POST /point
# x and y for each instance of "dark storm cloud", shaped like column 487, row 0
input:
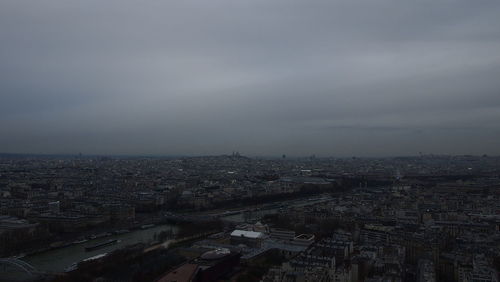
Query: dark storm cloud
column 263, row 77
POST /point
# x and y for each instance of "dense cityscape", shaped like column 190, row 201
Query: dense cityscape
column 250, row 141
column 237, row 218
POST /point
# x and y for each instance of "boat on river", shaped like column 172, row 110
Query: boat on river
column 122, row 231
column 101, row 245
column 74, row 266
column 80, row 241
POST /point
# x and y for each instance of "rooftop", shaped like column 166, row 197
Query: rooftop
column 247, row 234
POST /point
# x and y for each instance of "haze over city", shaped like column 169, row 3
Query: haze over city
column 250, row 140
column 332, row 78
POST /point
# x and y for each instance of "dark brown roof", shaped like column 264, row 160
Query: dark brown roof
column 184, row 273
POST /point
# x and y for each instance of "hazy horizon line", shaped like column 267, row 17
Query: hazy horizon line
column 277, row 156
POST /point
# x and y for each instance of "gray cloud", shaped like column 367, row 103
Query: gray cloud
column 335, row 78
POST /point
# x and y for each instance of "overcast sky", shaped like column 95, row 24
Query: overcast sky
column 263, row 77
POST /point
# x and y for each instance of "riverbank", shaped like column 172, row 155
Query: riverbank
column 58, row 259
column 57, row 241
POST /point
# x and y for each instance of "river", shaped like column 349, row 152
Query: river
column 258, row 214
column 58, row 260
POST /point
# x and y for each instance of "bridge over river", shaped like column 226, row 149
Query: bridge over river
column 13, row 269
